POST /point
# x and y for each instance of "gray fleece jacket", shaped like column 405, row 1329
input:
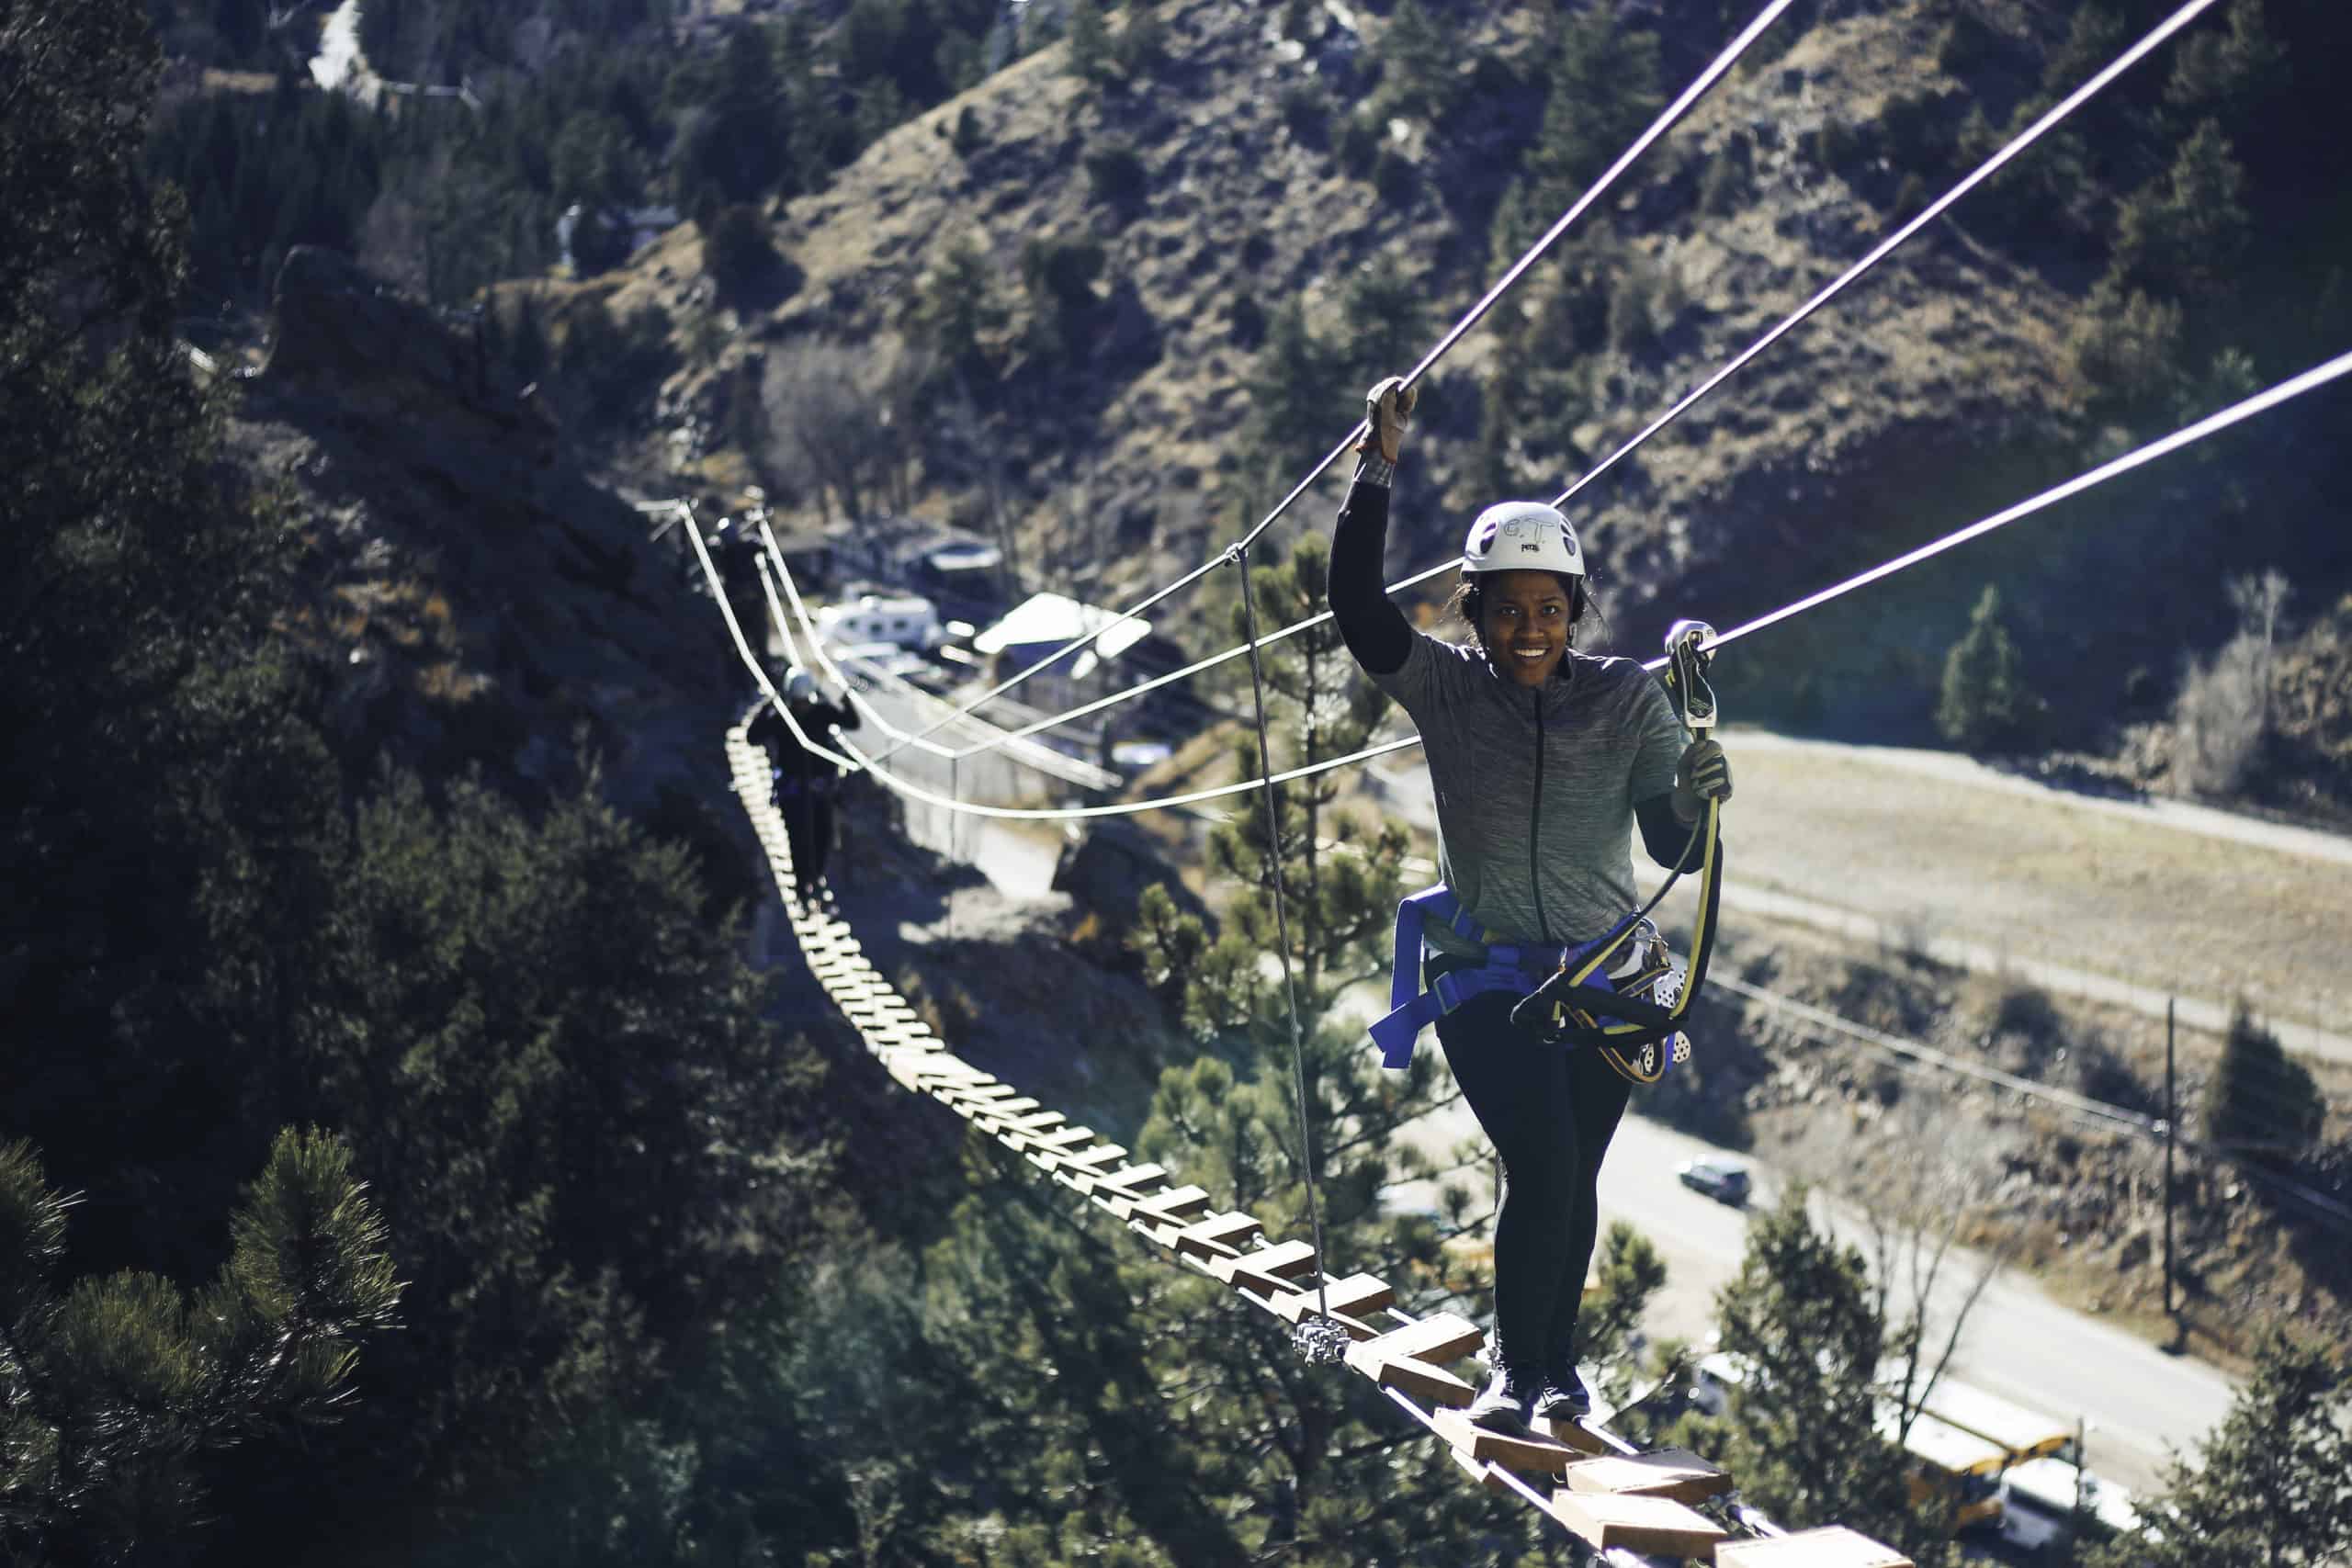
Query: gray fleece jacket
column 1536, row 789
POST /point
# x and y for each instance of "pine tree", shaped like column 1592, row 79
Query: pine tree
column 2273, row 1483
column 2182, row 237
column 1417, row 64
column 1604, row 90
column 2260, row 1100
column 1984, row 702
column 1803, row 1430
column 1090, row 42
column 112, row 1388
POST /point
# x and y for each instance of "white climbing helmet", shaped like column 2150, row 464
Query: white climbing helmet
column 1521, row 536
column 798, row 684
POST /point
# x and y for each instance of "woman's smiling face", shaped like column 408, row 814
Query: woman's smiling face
column 1524, row 623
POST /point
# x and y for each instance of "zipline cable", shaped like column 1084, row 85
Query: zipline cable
column 1983, row 172
column 1657, row 128
column 2294, row 387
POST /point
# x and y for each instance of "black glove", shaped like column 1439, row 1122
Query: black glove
column 1703, row 774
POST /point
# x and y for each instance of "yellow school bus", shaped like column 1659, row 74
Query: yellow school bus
column 1957, row 1469
column 2019, row 1433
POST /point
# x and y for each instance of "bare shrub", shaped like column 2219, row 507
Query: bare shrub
column 845, row 416
column 2222, row 715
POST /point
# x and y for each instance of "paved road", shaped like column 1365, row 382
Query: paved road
column 2019, row 1343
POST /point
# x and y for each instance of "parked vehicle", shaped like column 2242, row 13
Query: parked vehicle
column 904, row 620
column 1723, row 1179
column 2040, row 1498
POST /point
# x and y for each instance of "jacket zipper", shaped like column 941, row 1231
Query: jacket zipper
column 1535, row 826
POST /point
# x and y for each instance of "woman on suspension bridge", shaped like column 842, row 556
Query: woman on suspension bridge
column 1544, row 759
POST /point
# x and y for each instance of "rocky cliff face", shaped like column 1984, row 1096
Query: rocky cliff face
column 478, row 601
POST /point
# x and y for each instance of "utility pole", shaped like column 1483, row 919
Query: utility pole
column 2172, row 1118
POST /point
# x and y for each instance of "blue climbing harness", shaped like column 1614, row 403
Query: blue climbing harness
column 1507, row 966
column 1622, row 993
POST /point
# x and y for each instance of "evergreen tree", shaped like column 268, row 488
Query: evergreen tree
column 2273, row 1483
column 2182, row 237
column 1604, row 89
column 112, row 1391
column 1090, row 42
column 1803, row 1431
column 1417, row 64
column 1292, row 382
column 1984, row 702
column 2260, row 1100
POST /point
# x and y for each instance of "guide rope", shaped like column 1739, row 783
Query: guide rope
column 851, row 756
column 2014, row 146
column 1657, row 128
column 1322, row 1339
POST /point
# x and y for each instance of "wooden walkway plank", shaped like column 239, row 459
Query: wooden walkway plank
column 1440, row 1339
column 1653, row 1525
column 1833, row 1546
column 1357, row 1295
column 1529, row 1456
column 1219, row 1235
column 1430, row 1386
column 1675, row 1473
column 1176, row 1203
column 1271, row 1270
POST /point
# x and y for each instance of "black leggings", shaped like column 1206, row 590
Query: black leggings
column 1550, row 1114
column 809, row 823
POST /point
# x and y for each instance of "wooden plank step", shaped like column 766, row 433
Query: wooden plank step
column 1529, row 1456
column 1177, row 1203
column 1027, row 1119
column 1162, row 1233
column 1655, row 1526
column 1571, row 1431
column 1677, row 1473
column 1268, row 1271
column 1358, row 1294
column 1419, row 1380
column 1441, row 1339
column 1219, row 1235
column 1833, row 1546
column 1059, row 1138
column 1087, row 1165
column 1136, row 1181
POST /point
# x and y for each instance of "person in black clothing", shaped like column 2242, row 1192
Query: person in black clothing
column 805, row 783
column 1544, row 759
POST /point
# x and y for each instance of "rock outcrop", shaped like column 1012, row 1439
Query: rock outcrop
column 478, row 599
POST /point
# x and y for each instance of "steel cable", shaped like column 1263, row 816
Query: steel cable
column 1984, row 171
column 2237, row 412
column 1657, row 128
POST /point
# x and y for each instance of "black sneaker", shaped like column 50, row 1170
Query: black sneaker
column 1503, row 1406
column 1563, row 1396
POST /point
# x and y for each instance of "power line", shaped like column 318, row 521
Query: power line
column 1657, row 128
column 1913, row 1054
column 1984, row 171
